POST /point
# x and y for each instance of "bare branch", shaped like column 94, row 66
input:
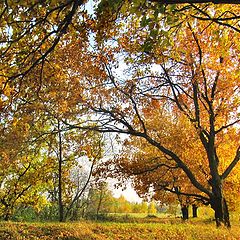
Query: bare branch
column 227, row 126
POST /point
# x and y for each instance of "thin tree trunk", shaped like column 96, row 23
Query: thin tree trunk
column 194, row 210
column 185, row 214
column 100, row 202
column 79, row 194
column 60, row 202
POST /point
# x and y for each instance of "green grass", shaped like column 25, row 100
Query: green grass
column 163, row 229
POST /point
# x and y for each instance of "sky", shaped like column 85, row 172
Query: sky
column 129, row 193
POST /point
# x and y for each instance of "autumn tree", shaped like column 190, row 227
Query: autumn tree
column 152, row 173
column 140, row 207
column 27, row 38
column 25, row 170
column 152, row 208
column 30, row 31
column 73, row 152
column 37, row 115
column 100, row 200
column 192, row 74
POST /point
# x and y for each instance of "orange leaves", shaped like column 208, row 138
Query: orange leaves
column 155, row 103
column 63, row 106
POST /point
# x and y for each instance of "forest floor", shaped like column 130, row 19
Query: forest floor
column 148, row 229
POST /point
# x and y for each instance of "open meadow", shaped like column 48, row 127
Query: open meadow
column 133, row 228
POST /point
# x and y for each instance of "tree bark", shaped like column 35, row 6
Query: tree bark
column 221, row 212
column 185, row 214
column 194, row 210
column 219, row 205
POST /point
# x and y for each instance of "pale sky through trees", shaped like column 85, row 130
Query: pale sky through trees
column 129, row 193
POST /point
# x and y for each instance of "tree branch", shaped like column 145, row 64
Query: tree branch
column 196, row 196
column 232, row 164
column 154, row 168
column 196, row 1
column 227, row 126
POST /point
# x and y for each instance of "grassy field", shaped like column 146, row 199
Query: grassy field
column 145, row 229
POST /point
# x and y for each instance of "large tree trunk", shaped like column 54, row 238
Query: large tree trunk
column 218, row 202
column 185, row 214
column 219, row 205
column 220, row 208
column 194, row 210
